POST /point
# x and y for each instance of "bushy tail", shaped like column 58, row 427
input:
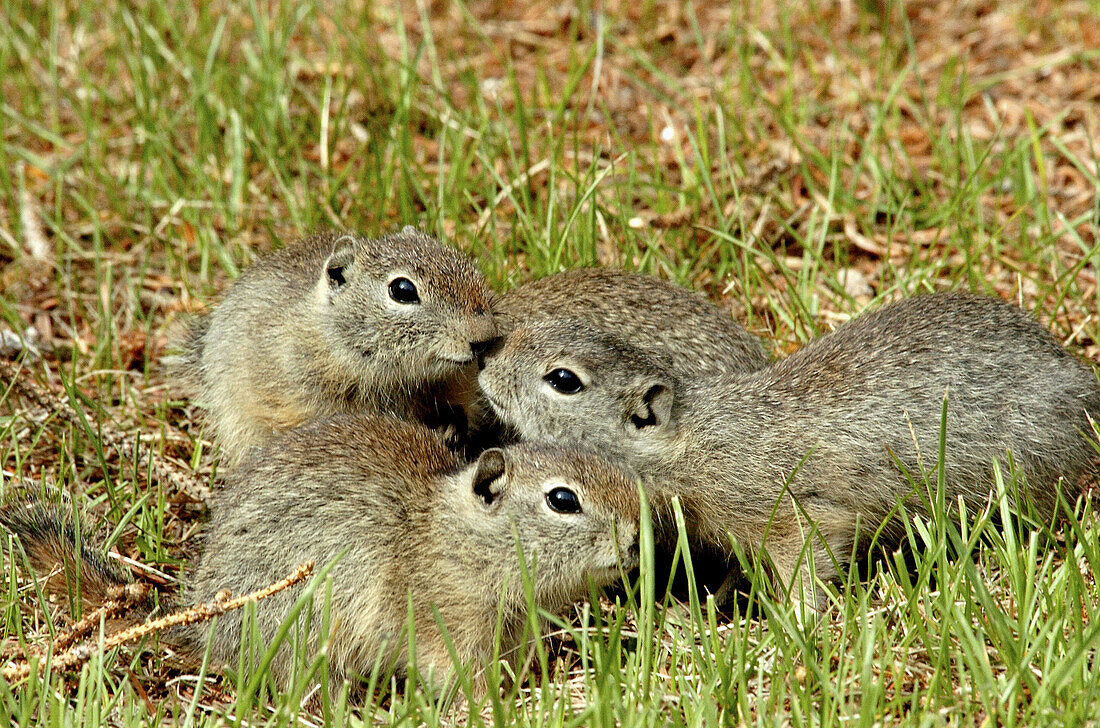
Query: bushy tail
column 56, row 548
column 187, row 339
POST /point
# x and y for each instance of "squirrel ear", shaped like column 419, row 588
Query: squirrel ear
column 651, row 405
column 488, row 482
column 336, row 267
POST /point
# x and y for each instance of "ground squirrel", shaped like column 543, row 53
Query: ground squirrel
column 834, row 421
column 694, row 335
column 411, row 522
column 340, row 323
column 685, row 331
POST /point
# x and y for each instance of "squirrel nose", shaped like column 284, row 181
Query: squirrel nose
column 483, row 348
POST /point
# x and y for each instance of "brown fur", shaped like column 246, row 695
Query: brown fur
column 71, row 563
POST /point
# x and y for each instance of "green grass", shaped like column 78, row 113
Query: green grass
column 755, row 153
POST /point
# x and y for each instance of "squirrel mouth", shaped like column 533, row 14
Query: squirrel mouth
column 451, row 360
column 457, row 363
column 497, row 406
column 607, row 574
column 627, row 558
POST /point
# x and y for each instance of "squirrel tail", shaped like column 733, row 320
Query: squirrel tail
column 55, row 546
column 187, row 340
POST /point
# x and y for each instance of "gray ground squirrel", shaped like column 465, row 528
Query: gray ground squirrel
column 684, row 330
column 340, row 323
column 694, row 335
column 825, row 428
column 415, row 524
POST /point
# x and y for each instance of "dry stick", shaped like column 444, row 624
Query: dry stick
column 121, row 599
column 163, row 470
column 75, row 656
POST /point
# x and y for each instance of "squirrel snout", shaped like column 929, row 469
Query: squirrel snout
column 484, row 348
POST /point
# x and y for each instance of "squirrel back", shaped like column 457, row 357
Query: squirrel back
column 841, row 432
column 693, row 335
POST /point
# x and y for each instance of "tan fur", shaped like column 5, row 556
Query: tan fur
column 292, row 340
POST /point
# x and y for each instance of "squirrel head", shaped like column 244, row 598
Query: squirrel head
column 405, row 298
column 564, row 381
column 573, row 515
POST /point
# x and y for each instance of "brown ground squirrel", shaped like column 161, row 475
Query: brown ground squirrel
column 412, row 523
column 694, row 335
column 340, row 323
column 840, row 431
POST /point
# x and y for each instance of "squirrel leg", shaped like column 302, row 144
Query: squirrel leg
column 809, row 553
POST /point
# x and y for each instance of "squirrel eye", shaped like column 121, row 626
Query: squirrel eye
column 563, row 500
column 564, row 381
column 336, row 275
column 403, row 290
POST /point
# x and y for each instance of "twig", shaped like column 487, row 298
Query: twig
column 74, row 656
column 121, row 599
column 522, row 179
column 163, row 470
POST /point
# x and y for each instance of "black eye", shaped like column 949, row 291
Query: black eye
column 336, row 275
column 564, row 381
column 403, row 290
column 563, row 500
